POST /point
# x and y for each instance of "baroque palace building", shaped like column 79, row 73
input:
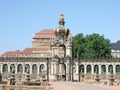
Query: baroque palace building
column 50, row 57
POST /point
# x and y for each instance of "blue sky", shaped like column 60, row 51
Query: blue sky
column 21, row 19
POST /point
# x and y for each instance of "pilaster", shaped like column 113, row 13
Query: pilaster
column 100, row 69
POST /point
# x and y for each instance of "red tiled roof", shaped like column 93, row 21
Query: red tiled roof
column 46, row 33
column 26, row 51
column 30, row 50
column 11, row 53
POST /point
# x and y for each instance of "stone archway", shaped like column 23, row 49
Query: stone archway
column 89, row 69
column 12, row 67
column 20, row 68
column 117, row 69
column 81, row 68
column 62, row 71
column 27, row 68
column 34, row 69
column 110, row 68
column 5, row 68
column 96, row 69
column 103, row 69
column 61, row 48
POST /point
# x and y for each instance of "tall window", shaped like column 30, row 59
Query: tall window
column 117, row 68
column 5, row 68
column 96, row 69
column 12, row 67
column 27, row 68
column 34, row 69
column 103, row 68
column 81, row 68
column 20, row 68
column 110, row 68
column 88, row 69
column 42, row 70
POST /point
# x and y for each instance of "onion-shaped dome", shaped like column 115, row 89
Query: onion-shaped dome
column 61, row 30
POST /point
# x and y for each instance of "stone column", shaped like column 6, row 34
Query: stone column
column 107, row 69
column 85, row 69
column 56, row 51
column 114, row 69
column 30, row 68
column 57, row 69
column 8, row 67
column 68, row 51
column 67, row 68
column 38, row 69
column 100, row 69
column 1, row 68
column 92, row 69
column 16, row 66
column 77, row 68
column 60, row 68
column 67, row 71
column 52, row 68
column 52, row 52
column 23, row 68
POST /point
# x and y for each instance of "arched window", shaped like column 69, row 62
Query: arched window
column 5, row 68
column 27, row 68
column 103, row 69
column 12, row 67
column 110, row 68
column 81, row 69
column 96, row 69
column 42, row 70
column 34, row 69
column 88, row 69
column 117, row 68
column 20, row 68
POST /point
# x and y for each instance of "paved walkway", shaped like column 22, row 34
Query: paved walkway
column 81, row 86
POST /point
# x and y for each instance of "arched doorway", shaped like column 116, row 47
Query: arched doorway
column 96, row 69
column 27, row 68
column 110, row 68
column 20, row 68
column 117, row 68
column 81, row 69
column 12, row 67
column 34, row 69
column 103, row 69
column 88, row 69
column 42, row 70
column 63, row 71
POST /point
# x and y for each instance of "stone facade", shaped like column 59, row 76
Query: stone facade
column 51, row 57
column 59, row 70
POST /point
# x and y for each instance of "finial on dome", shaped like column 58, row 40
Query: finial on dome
column 61, row 22
column 61, row 17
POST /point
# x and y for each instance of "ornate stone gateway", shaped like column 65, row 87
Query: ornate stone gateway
column 64, row 42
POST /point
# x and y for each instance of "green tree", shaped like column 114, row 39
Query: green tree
column 78, row 42
column 91, row 46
